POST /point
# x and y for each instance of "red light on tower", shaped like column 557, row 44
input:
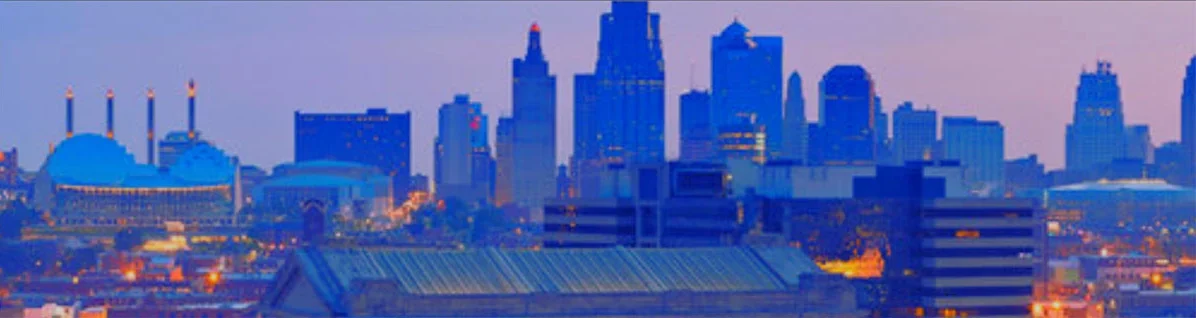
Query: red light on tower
column 475, row 124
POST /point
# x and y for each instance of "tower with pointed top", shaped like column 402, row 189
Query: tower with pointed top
column 191, row 110
column 533, row 92
column 70, row 112
column 795, row 135
column 746, row 76
column 111, row 132
column 149, row 123
column 1096, row 135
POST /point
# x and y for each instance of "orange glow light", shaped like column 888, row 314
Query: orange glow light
column 191, row 88
column 70, row 93
column 110, row 94
column 149, row 93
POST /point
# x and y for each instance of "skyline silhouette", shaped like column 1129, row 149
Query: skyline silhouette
column 257, row 63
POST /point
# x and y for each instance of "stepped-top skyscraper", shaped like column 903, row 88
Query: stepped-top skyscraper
column 1096, row 135
column 534, row 103
column 796, row 136
column 1188, row 110
column 624, row 98
column 847, row 117
column 747, row 82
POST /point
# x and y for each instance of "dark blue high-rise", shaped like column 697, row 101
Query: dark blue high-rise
column 847, row 117
column 534, row 131
column 697, row 131
column 374, row 138
column 747, row 82
column 627, row 91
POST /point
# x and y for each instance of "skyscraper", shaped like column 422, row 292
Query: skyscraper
column 624, row 99
column 697, row 129
column 980, row 148
column 504, row 161
column 1097, row 133
column 630, row 84
column 1188, row 110
column 482, row 165
column 847, row 117
column 1138, row 145
column 914, row 133
column 795, row 131
column 534, row 131
column 454, row 148
column 747, row 82
column 375, row 138
column 586, row 162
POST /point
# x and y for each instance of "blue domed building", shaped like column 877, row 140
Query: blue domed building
column 92, row 181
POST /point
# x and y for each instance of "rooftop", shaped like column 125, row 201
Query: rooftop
column 1123, row 185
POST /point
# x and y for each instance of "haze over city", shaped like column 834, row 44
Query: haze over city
column 257, row 63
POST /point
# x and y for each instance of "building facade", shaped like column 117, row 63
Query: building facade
column 795, row 134
column 747, row 82
column 455, row 149
column 1097, row 132
column 534, row 148
column 980, row 148
column 376, row 138
column 847, row 117
column 624, row 101
column 975, row 258
column 504, row 161
column 1138, row 145
column 915, row 132
column 697, row 127
column 1188, row 111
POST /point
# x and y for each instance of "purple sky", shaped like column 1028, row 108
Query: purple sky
column 256, row 63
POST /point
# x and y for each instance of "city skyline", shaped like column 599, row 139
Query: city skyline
column 237, row 78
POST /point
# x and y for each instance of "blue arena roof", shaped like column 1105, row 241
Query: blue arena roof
column 91, row 159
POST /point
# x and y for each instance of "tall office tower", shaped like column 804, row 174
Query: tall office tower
column 1188, row 110
column 980, row 148
column 624, row 98
column 374, row 138
column 1097, row 133
column 697, row 129
column 747, row 82
column 975, row 257
column 504, row 158
column 795, row 134
column 1173, row 163
column 847, row 117
column 534, row 131
column 1138, row 144
column 586, row 162
column 111, row 132
column 481, row 160
column 149, row 123
column 914, row 133
column 454, row 148
column 630, row 84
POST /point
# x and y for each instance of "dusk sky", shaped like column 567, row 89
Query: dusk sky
column 257, row 63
